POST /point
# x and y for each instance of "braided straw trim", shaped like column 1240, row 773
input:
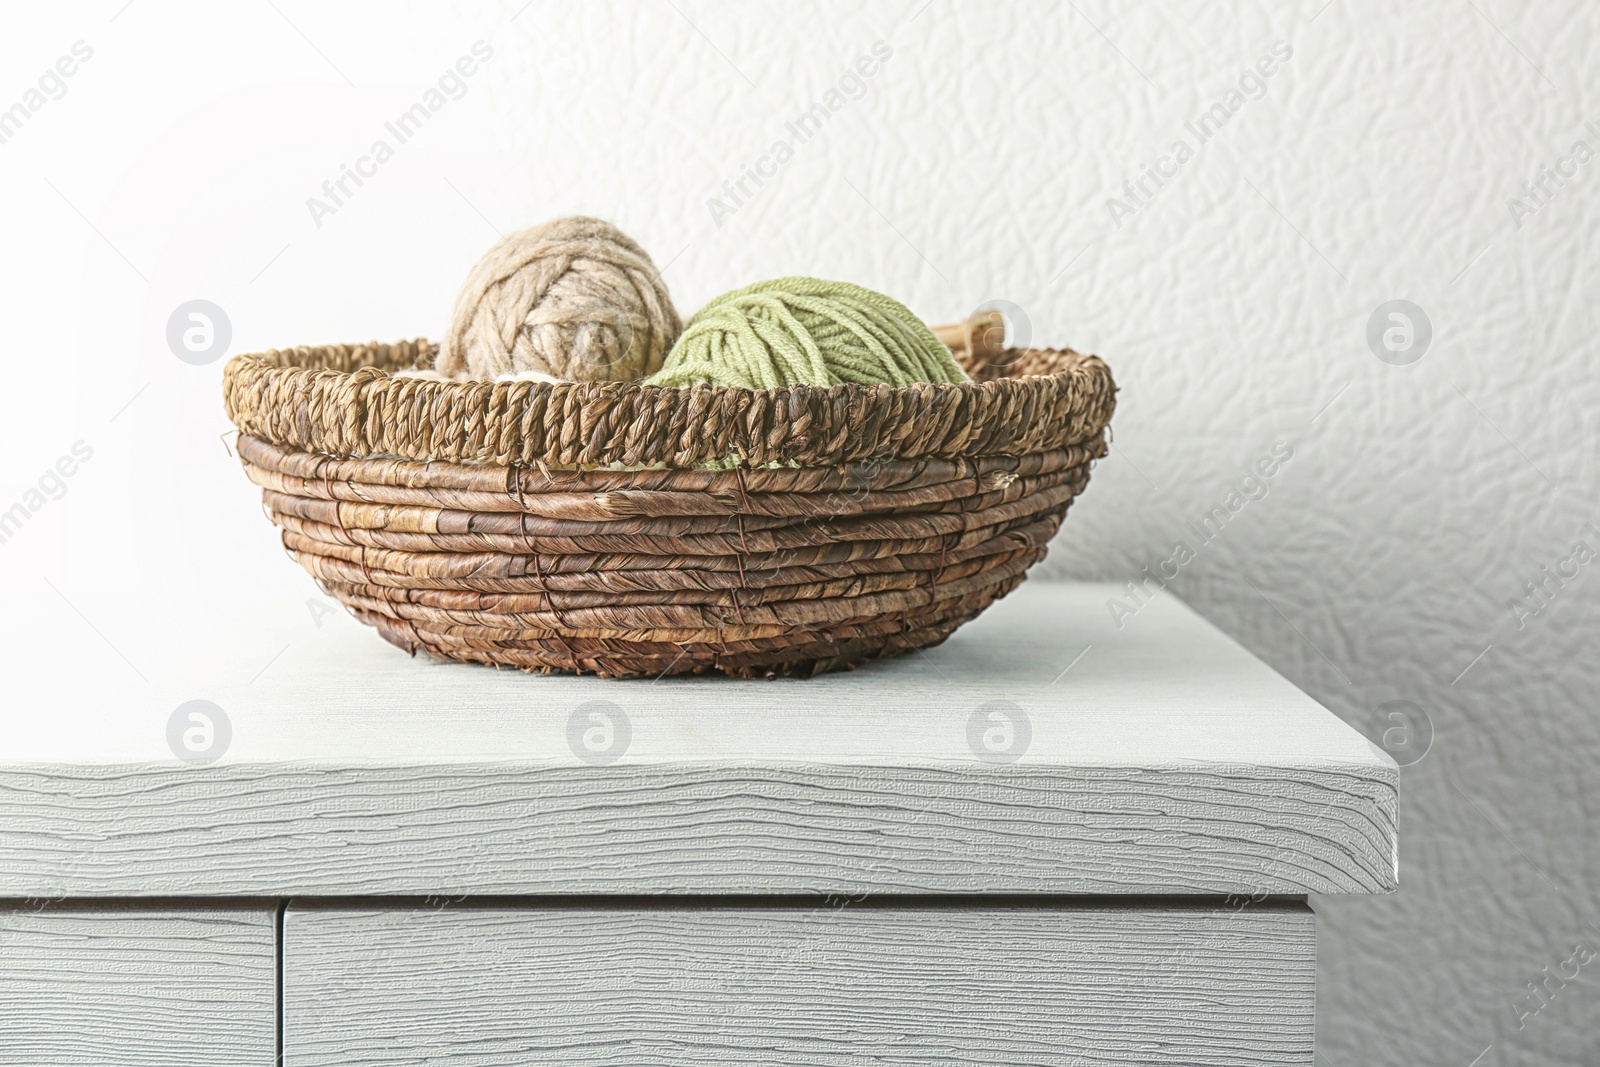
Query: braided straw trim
column 342, row 401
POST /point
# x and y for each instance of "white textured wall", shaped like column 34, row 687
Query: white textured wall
column 1376, row 164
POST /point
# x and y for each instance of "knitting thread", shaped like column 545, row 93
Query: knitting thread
column 805, row 331
column 576, row 299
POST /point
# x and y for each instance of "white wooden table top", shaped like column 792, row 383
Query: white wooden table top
column 1158, row 757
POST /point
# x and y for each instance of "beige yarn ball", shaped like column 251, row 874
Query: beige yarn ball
column 575, row 298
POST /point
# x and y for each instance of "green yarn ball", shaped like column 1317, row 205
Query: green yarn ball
column 805, row 331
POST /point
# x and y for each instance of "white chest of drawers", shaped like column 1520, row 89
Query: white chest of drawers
column 1053, row 840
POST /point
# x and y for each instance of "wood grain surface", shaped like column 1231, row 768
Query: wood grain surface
column 1152, row 757
column 160, row 986
column 826, row 986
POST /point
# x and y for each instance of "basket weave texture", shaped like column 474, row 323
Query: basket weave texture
column 489, row 522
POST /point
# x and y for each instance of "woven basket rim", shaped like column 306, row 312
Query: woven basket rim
column 342, row 400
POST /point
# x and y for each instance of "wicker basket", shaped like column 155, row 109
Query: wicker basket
column 577, row 527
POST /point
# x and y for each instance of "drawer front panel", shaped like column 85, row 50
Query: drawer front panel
column 138, row 985
column 855, row 984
